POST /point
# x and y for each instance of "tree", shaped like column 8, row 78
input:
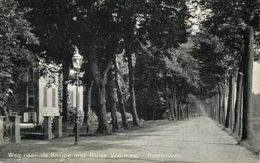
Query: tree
column 16, row 40
column 127, row 12
column 239, row 23
column 161, row 79
column 96, row 24
column 228, row 121
column 238, row 107
column 121, row 102
column 161, row 29
column 87, row 25
column 87, row 103
column 52, row 21
column 112, row 98
column 247, row 92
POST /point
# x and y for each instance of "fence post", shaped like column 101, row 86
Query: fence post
column 15, row 136
column 58, row 126
column 48, row 127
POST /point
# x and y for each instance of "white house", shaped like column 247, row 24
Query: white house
column 39, row 96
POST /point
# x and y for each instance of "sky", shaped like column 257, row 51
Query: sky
column 198, row 16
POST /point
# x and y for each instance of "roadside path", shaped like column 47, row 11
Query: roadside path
column 195, row 140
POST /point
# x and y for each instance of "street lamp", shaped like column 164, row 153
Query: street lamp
column 77, row 61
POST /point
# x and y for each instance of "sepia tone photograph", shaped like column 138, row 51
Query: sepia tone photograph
column 130, row 81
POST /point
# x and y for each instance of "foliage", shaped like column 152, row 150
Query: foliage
column 149, row 31
column 15, row 39
column 161, row 62
column 119, row 117
column 52, row 25
column 156, row 74
column 220, row 41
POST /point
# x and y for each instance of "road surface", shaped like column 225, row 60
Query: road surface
column 194, row 140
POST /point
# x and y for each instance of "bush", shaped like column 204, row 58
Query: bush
column 119, row 118
column 72, row 116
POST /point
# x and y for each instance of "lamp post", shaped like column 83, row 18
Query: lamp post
column 77, row 61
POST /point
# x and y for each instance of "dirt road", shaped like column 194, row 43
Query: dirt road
column 195, row 140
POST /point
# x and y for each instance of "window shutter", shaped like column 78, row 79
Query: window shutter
column 34, row 116
column 25, row 117
column 45, row 100
column 53, row 97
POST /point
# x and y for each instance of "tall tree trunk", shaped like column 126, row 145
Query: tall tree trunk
column 65, row 78
column 100, row 83
column 175, row 104
column 230, row 104
column 240, row 113
column 103, row 126
column 232, row 111
column 247, row 92
column 179, row 111
column 216, row 108
column 175, row 109
column 187, row 111
column 121, row 103
column 220, row 93
column 132, row 89
column 179, row 107
column 112, row 98
column 224, row 103
column 87, row 104
column 172, row 103
column 170, row 100
column 184, row 114
column 213, row 108
column 236, row 125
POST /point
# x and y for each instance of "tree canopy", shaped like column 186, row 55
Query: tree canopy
column 16, row 38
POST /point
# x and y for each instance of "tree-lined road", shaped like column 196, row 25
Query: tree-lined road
column 194, row 140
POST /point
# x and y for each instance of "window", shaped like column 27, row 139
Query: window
column 30, row 102
column 25, row 117
column 45, row 98
column 29, row 74
column 31, row 116
column 53, row 97
column 13, row 114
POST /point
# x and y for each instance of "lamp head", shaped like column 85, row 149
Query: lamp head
column 77, row 59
